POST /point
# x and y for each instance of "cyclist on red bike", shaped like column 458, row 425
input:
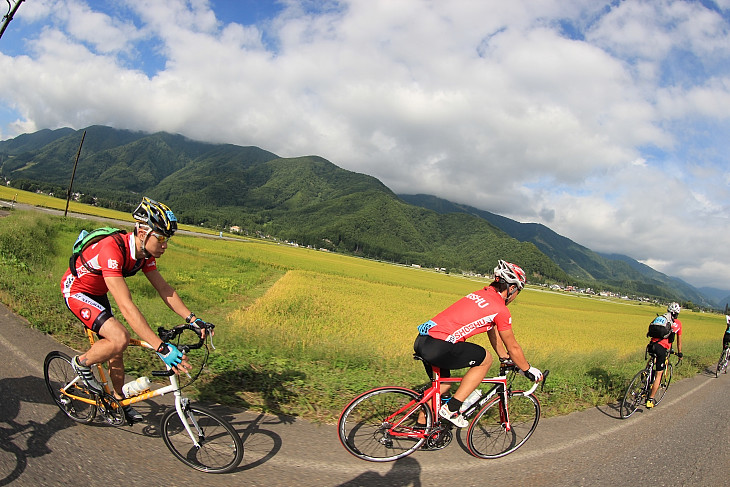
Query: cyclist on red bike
column 659, row 347
column 102, row 268
column 442, row 340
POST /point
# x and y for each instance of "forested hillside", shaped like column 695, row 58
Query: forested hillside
column 310, row 201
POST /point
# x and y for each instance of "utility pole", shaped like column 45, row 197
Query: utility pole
column 12, row 8
column 73, row 174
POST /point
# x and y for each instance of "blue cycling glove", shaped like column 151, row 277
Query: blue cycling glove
column 170, row 354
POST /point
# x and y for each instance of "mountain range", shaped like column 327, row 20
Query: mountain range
column 312, row 201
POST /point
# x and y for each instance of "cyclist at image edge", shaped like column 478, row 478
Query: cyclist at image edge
column 442, row 340
column 660, row 348
column 726, row 335
column 86, row 296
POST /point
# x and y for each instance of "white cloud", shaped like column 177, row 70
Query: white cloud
column 606, row 122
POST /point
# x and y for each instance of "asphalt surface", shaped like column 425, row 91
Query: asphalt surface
column 683, row 441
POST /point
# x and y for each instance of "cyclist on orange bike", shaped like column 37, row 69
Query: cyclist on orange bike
column 442, row 340
column 102, row 268
column 659, row 347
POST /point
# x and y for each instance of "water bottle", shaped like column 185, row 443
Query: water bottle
column 136, row 386
column 471, row 399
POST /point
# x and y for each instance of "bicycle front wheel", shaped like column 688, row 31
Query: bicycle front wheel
column 490, row 436
column 664, row 384
column 59, row 373
column 219, row 447
column 366, row 424
column 635, row 394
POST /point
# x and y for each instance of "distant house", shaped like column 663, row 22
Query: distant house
column 235, row 229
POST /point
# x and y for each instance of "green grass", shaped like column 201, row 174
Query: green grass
column 300, row 331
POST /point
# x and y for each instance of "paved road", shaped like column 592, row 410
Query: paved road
column 682, row 442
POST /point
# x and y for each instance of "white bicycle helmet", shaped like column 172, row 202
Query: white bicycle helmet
column 510, row 273
column 674, row 308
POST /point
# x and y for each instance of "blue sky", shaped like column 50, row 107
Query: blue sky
column 606, row 121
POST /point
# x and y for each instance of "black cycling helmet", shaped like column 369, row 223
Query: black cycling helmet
column 157, row 216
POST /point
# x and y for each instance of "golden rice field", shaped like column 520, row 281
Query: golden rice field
column 293, row 309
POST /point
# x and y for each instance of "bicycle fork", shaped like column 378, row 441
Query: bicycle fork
column 503, row 412
column 187, row 417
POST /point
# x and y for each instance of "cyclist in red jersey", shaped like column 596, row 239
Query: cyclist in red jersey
column 442, row 340
column 103, row 269
column 660, row 347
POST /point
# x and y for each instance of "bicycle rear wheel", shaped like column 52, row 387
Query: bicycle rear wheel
column 664, row 384
column 58, row 374
column 365, row 424
column 635, row 394
column 722, row 363
column 220, row 447
column 488, row 437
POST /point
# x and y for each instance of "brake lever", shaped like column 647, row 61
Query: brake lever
column 544, row 378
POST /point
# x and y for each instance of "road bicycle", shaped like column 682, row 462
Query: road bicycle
column 722, row 363
column 381, row 425
column 640, row 386
column 196, row 436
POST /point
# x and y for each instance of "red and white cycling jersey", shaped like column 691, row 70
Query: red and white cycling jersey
column 664, row 342
column 106, row 256
column 475, row 313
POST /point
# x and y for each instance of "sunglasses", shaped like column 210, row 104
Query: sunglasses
column 160, row 238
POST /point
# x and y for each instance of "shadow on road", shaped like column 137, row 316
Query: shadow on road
column 20, row 441
column 405, row 472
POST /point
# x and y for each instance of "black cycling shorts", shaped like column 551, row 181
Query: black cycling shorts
column 661, row 354
column 93, row 311
column 447, row 355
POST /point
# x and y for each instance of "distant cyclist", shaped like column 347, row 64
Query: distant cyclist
column 103, row 269
column 659, row 347
column 442, row 340
column 726, row 335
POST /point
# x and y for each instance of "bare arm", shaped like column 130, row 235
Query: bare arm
column 514, row 349
column 168, row 294
column 497, row 344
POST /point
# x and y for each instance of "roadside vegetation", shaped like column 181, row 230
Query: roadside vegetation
column 300, row 332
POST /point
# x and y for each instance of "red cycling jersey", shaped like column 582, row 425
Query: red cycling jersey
column 676, row 329
column 475, row 313
column 104, row 255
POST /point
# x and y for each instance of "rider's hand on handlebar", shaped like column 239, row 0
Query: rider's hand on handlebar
column 680, row 354
column 174, row 358
column 169, row 354
column 533, row 373
column 201, row 327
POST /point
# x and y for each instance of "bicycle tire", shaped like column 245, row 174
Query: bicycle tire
column 487, row 436
column 363, row 425
column 635, row 394
column 58, row 372
column 722, row 363
column 664, row 384
column 221, row 448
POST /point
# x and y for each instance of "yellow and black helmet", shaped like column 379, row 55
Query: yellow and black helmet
column 157, row 216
